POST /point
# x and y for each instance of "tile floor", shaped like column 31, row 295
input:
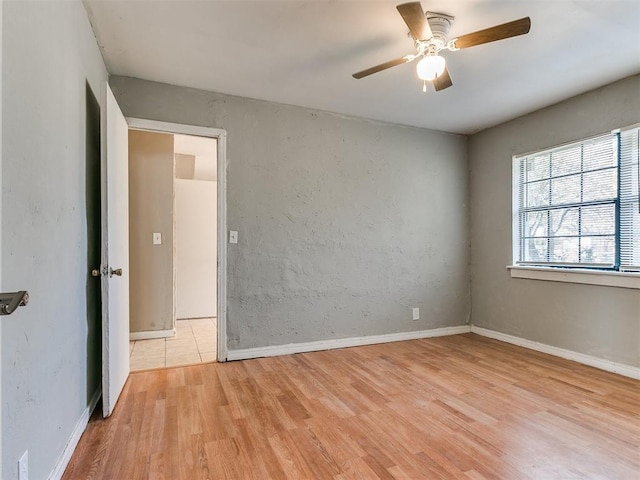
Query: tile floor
column 195, row 342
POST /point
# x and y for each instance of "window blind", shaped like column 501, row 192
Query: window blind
column 629, row 143
column 568, row 205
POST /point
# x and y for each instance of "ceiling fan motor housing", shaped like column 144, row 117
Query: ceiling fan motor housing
column 440, row 24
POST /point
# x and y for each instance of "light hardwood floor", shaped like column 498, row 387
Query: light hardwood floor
column 451, row 407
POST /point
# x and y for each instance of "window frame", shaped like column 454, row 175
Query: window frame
column 573, row 273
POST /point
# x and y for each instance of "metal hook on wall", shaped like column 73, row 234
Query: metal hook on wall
column 9, row 302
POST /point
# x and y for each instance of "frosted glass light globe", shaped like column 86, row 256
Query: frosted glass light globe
column 429, row 68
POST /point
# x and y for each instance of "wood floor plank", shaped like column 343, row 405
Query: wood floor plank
column 357, row 469
column 461, row 406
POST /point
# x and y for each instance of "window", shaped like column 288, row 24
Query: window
column 578, row 205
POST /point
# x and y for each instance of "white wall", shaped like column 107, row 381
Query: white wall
column 196, row 231
column 594, row 320
column 49, row 53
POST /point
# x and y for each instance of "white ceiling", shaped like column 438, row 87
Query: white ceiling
column 303, row 52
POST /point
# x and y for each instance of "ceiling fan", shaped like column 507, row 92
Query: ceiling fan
column 430, row 31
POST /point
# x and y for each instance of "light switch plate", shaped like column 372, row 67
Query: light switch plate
column 233, row 236
column 157, row 238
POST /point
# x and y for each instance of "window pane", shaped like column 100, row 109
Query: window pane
column 598, row 250
column 564, row 222
column 598, row 220
column 537, row 167
column 601, row 185
column 599, row 154
column 564, row 250
column 565, row 190
column 536, row 224
column 538, row 194
column 535, row 250
column 566, row 161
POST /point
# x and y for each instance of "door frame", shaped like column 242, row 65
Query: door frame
column 221, row 136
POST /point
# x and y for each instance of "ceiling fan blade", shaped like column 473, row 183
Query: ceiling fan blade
column 443, row 81
column 382, row 66
column 414, row 17
column 499, row 32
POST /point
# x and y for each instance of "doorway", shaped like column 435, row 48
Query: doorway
column 93, row 182
column 175, row 243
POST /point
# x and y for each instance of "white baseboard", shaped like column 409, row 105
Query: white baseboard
column 602, row 364
column 72, row 443
column 149, row 334
column 275, row 350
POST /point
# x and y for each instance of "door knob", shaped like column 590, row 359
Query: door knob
column 95, row 272
column 117, row 271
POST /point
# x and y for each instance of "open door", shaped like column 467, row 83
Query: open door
column 115, row 253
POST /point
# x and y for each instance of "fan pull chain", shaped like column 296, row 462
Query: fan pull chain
column 424, row 86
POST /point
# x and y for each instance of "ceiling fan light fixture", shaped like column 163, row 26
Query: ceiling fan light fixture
column 430, row 33
column 430, row 67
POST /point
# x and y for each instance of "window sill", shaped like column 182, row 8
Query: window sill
column 589, row 277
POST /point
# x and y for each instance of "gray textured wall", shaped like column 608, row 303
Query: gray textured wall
column 49, row 52
column 344, row 224
column 594, row 320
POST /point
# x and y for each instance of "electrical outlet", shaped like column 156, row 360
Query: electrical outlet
column 23, row 466
column 416, row 313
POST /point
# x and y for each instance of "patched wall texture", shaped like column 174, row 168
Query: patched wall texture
column 344, row 224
